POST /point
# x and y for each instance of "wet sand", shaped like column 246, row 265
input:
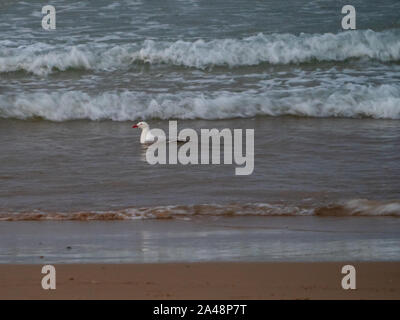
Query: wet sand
column 213, row 239
column 374, row 280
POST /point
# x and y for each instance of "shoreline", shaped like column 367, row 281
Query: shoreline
column 241, row 239
column 211, row 280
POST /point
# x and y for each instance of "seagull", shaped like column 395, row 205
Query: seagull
column 147, row 137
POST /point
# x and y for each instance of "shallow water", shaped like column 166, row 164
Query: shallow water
column 299, row 164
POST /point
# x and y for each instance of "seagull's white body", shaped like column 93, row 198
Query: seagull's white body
column 146, row 136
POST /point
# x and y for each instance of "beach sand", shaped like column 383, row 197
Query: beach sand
column 280, row 280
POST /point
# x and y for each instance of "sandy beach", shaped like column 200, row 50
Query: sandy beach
column 375, row 280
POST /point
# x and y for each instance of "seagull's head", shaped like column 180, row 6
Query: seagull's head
column 141, row 125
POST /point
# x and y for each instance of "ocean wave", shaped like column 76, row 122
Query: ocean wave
column 42, row 59
column 349, row 101
column 360, row 207
column 275, row 49
column 356, row 207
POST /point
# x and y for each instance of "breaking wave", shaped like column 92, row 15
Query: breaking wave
column 350, row 101
column 42, row 59
column 357, row 207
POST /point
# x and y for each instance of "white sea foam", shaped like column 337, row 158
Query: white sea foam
column 356, row 207
column 373, row 208
column 361, row 207
column 351, row 101
column 43, row 59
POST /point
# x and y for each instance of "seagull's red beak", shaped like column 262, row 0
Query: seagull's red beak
column 135, row 126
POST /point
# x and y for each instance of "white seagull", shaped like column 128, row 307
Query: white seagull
column 146, row 137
